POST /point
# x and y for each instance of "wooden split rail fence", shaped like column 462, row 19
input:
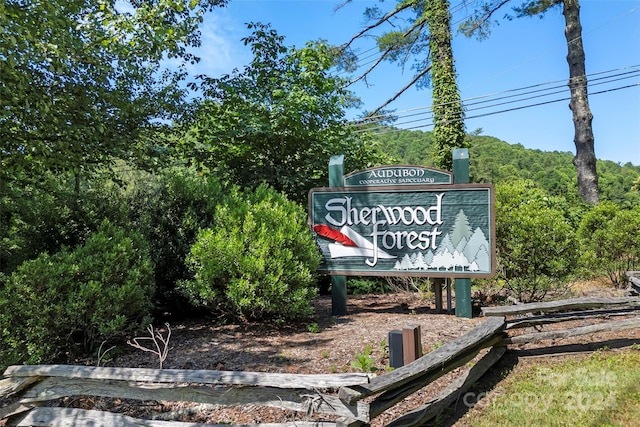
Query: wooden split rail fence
column 634, row 282
column 345, row 399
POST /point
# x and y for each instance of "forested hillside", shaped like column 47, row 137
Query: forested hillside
column 493, row 160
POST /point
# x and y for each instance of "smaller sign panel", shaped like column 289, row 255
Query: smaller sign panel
column 433, row 231
column 397, row 175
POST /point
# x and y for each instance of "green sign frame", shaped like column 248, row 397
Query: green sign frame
column 430, row 231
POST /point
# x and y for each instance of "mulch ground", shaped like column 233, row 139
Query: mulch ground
column 328, row 344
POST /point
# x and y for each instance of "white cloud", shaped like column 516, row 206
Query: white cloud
column 222, row 49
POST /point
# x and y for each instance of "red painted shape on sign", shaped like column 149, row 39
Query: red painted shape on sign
column 333, row 234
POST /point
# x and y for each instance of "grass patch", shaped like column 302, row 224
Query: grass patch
column 602, row 389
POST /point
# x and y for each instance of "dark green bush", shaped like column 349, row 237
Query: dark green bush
column 258, row 263
column 69, row 302
column 169, row 210
column 367, row 285
column 609, row 241
column 44, row 216
column 535, row 242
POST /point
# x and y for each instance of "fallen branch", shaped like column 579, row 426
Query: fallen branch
column 156, row 338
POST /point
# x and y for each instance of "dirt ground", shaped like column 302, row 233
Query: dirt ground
column 329, row 344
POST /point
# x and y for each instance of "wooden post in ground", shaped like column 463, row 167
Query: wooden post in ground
column 338, row 283
column 462, row 285
column 437, row 293
column 448, row 296
column 411, row 343
column 396, row 353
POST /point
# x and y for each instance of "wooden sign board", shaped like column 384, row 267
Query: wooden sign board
column 397, row 175
column 428, row 230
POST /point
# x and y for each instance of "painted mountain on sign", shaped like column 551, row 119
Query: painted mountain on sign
column 461, row 249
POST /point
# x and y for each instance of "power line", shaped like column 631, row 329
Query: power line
column 375, row 124
column 459, row 7
column 386, row 129
column 429, row 120
column 505, row 94
column 497, row 98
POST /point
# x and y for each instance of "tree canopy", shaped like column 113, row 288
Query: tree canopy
column 420, row 32
column 82, row 82
column 278, row 120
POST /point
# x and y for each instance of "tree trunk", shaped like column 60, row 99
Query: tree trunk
column 448, row 130
column 585, row 159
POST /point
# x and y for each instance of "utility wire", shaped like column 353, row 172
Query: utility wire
column 523, row 94
column 385, row 129
column 463, row 5
column 380, row 119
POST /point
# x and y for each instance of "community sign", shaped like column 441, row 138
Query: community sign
column 397, row 175
column 415, row 230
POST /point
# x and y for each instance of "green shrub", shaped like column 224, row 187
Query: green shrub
column 258, row 262
column 69, row 302
column 169, row 211
column 44, row 217
column 609, row 241
column 535, row 243
column 364, row 362
column 367, row 285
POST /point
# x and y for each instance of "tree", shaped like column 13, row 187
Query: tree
column 81, row 82
column 279, row 120
column 448, row 130
column 461, row 229
column 585, row 158
column 427, row 37
column 496, row 161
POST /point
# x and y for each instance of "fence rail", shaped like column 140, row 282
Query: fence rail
column 38, row 383
column 348, row 399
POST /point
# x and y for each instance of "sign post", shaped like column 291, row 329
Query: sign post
column 462, row 285
column 338, row 283
column 404, row 220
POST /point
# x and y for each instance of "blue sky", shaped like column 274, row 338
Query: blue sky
column 519, row 53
